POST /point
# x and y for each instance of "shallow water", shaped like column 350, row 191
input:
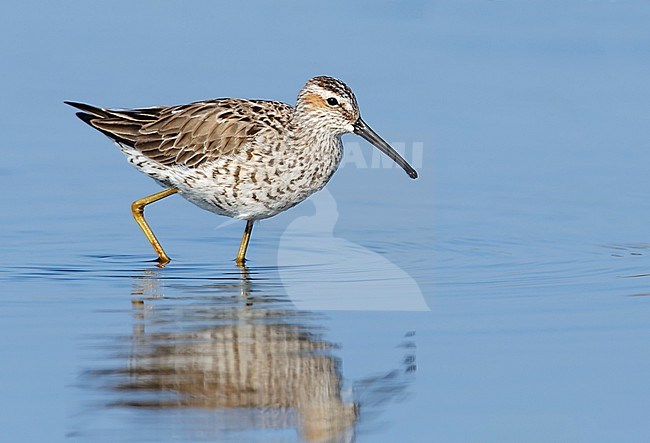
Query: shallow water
column 502, row 296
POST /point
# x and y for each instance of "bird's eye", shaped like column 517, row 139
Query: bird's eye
column 332, row 101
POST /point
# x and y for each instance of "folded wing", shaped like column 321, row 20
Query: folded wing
column 189, row 135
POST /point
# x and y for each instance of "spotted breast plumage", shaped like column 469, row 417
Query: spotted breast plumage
column 247, row 159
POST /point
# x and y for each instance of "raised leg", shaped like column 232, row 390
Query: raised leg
column 137, row 208
column 241, row 255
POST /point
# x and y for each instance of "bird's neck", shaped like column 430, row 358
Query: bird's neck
column 306, row 128
column 319, row 150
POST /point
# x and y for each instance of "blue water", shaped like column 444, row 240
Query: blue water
column 502, row 296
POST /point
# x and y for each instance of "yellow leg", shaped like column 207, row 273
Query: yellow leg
column 241, row 255
column 137, row 208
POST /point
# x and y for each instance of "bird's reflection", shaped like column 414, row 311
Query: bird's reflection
column 225, row 347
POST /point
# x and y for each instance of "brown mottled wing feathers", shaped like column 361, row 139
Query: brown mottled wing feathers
column 191, row 134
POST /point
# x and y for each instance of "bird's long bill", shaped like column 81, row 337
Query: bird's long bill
column 365, row 131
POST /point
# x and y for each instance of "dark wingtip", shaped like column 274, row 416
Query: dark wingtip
column 75, row 104
column 86, row 118
column 91, row 115
column 84, row 107
column 89, row 112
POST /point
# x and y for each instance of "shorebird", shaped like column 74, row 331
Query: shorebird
column 246, row 159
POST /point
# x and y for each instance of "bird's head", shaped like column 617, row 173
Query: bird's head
column 328, row 104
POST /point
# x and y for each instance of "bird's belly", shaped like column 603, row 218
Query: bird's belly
column 245, row 205
column 240, row 189
column 254, row 197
